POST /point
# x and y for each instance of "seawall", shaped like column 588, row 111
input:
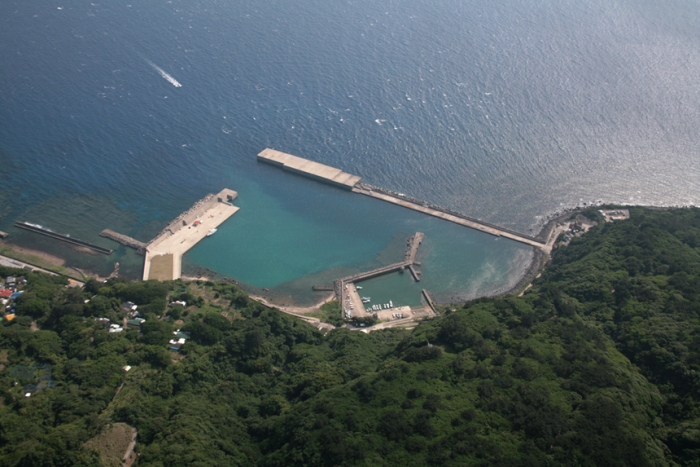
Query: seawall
column 334, row 176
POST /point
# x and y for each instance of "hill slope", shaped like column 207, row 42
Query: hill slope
column 596, row 365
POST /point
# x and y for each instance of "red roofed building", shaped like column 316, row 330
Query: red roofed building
column 4, row 293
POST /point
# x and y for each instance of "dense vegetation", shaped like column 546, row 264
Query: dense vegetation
column 597, row 364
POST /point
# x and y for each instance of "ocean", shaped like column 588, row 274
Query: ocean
column 119, row 115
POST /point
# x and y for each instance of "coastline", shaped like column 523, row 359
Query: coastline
column 42, row 260
column 55, row 263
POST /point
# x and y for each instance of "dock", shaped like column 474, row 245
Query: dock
column 310, row 169
column 64, row 238
column 4, row 234
column 164, row 253
column 337, row 177
column 345, row 293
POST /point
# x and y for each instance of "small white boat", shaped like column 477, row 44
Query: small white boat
column 211, row 232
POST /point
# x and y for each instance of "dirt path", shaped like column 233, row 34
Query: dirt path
column 297, row 310
column 128, row 458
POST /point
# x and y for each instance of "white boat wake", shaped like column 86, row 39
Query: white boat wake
column 164, row 74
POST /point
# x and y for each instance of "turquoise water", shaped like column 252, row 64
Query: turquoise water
column 507, row 111
column 399, row 288
column 350, row 231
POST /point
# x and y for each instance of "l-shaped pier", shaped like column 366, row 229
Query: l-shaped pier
column 164, row 253
column 352, row 299
column 347, row 181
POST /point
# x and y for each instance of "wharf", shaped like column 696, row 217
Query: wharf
column 4, row 234
column 61, row 237
column 311, row 169
column 164, row 253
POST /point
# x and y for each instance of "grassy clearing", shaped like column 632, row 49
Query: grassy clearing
column 328, row 313
column 161, row 268
column 112, row 443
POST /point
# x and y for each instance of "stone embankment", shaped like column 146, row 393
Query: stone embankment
column 125, row 240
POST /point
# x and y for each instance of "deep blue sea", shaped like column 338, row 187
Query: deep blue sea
column 507, row 111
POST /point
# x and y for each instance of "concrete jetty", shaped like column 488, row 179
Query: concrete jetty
column 347, row 181
column 412, row 245
column 125, row 240
column 344, row 287
column 164, row 253
column 310, row 169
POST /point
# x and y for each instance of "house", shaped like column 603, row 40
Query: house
column 5, row 293
column 175, row 344
column 115, row 328
column 135, row 323
column 103, row 321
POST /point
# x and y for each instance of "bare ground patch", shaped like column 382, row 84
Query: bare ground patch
column 113, row 443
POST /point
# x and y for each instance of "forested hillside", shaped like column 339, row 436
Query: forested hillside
column 596, row 364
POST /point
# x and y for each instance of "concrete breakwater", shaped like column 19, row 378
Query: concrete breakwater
column 63, row 238
column 347, row 181
column 364, row 187
column 310, row 169
column 140, row 247
column 412, row 244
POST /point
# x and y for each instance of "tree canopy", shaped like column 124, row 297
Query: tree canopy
column 596, row 364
